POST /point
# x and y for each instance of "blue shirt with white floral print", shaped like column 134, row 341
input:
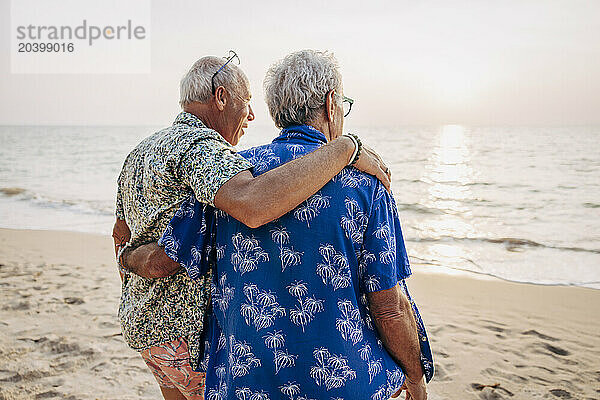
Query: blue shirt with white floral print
column 290, row 314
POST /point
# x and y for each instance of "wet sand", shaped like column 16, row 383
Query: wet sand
column 60, row 338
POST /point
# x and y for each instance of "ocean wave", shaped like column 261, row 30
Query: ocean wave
column 419, row 208
column 12, row 191
column 511, row 244
column 591, row 205
column 479, row 184
column 398, row 180
column 80, row 206
column 443, row 264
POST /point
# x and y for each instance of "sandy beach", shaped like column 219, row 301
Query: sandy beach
column 60, row 338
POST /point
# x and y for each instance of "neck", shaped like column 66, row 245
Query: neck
column 205, row 113
column 323, row 127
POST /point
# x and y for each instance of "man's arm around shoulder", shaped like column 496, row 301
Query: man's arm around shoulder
column 255, row 201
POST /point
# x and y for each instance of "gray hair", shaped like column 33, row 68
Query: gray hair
column 295, row 87
column 196, row 84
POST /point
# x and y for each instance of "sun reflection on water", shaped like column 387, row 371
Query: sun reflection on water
column 448, row 174
column 449, row 171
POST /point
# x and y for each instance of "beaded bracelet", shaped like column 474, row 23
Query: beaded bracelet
column 357, row 148
column 121, row 257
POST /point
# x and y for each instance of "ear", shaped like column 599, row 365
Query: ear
column 330, row 105
column 220, row 98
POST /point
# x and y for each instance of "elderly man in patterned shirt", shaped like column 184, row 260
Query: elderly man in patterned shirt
column 163, row 318
column 313, row 305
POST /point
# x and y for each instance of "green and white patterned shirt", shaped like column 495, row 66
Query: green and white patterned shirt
column 160, row 173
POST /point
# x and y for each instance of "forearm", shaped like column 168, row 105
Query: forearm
column 394, row 319
column 149, row 261
column 256, row 201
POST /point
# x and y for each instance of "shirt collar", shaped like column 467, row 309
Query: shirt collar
column 189, row 119
column 301, row 134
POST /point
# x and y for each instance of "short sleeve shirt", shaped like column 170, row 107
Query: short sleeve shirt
column 290, row 314
column 166, row 168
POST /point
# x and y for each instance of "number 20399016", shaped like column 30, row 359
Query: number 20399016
column 35, row 47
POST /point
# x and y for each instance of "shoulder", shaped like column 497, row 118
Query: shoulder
column 271, row 155
column 359, row 190
column 351, row 178
column 188, row 147
column 258, row 151
column 265, row 157
column 183, row 138
column 180, row 138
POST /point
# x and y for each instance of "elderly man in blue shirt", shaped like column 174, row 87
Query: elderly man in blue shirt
column 314, row 304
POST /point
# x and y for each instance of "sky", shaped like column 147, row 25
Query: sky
column 490, row 63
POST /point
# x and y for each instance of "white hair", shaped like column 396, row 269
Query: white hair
column 295, row 87
column 196, row 84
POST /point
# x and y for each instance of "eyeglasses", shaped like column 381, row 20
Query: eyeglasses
column 232, row 56
column 347, row 104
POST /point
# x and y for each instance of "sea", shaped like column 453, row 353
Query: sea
column 517, row 203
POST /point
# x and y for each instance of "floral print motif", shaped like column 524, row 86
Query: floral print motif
column 158, row 177
column 375, row 366
column 352, row 178
column 334, row 269
column 248, row 253
column 241, row 358
column 288, row 256
column 388, row 255
column 330, row 370
column 260, row 308
column 222, row 293
column 281, row 357
column 311, row 208
column 303, row 313
column 262, row 158
column 355, row 221
column 350, row 322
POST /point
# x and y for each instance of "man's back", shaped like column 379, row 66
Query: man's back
column 151, row 186
column 163, row 170
column 290, row 296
